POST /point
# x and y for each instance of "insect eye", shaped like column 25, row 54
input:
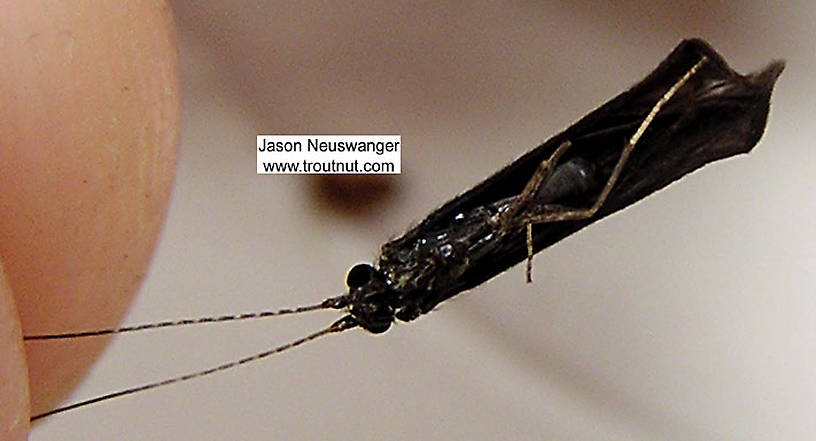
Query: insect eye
column 359, row 275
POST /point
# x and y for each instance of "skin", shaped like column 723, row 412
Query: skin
column 89, row 124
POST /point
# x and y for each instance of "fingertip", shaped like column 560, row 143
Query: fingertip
column 90, row 123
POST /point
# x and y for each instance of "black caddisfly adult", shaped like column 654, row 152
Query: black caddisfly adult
column 690, row 111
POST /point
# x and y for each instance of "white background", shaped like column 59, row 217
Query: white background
column 689, row 316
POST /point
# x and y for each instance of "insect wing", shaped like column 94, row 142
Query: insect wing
column 718, row 113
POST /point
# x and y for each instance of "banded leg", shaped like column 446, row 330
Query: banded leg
column 586, row 213
column 540, row 177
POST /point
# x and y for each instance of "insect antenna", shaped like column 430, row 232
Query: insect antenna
column 341, row 325
column 331, row 303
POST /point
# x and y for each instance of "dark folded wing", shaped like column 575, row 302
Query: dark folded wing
column 716, row 114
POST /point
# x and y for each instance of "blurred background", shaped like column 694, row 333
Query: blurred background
column 691, row 315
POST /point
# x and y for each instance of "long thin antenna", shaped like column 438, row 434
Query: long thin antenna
column 341, row 325
column 331, row 303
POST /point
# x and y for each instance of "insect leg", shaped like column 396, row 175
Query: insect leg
column 540, row 177
column 585, row 213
